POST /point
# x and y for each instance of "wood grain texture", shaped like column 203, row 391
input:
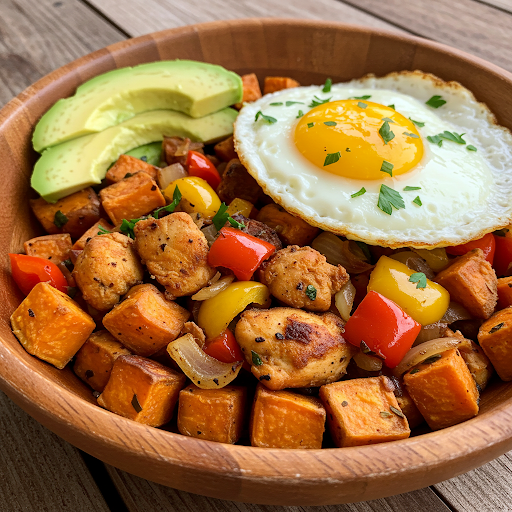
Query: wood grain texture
column 39, row 471
column 473, row 26
column 139, row 18
column 38, row 37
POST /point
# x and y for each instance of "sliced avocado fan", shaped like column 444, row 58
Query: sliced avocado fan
column 194, row 88
column 79, row 163
column 150, row 153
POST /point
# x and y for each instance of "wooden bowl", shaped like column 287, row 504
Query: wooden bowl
column 310, row 52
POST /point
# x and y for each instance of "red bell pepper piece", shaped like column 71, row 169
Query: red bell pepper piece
column 198, row 165
column 486, row 243
column 27, row 271
column 240, row 252
column 224, row 348
column 503, row 256
column 385, row 328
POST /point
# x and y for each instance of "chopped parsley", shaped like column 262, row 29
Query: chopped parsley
column 392, row 106
column 256, row 359
column 102, row 230
column 318, row 101
column 386, row 133
column 327, row 85
column 432, row 359
column 59, row 219
column 176, row 198
column 407, row 188
column 310, row 125
column 299, row 114
column 413, row 135
column 127, row 227
column 470, row 147
column 222, row 216
column 417, row 201
column 268, row 119
column 388, row 119
column 435, row 102
column 310, row 292
column 290, row 103
column 330, row 123
column 435, row 139
column 398, row 412
column 332, row 158
column 360, row 104
column 446, row 135
column 389, row 199
column 359, row 192
column 417, row 123
column 276, row 104
column 419, row 278
column 367, row 97
column 387, row 167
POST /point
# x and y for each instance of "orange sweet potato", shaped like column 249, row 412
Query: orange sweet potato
column 237, row 182
column 56, row 248
column 504, row 292
column 225, row 150
column 92, row 231
column 472, row 282
column 129, row 165
column 443, row 390
column 142, row 390
column 50, row 325
column 78, row 212
column 212, row 414
column 282, row 419
column 251, row 90
column 145, row 321
column 291, row 230
column 278, row 83
column 131, row 198
column 495, row 338
column 363, row 411
column 94, row 361
column 408, row 407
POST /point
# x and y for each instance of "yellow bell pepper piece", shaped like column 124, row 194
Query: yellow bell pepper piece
column 240, row 206
column 198, row 193
column 391, row 279
column 216, row 313
column 436, row 259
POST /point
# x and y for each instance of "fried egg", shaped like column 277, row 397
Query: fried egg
column 403, row 160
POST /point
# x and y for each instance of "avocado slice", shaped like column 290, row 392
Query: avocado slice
column 150, row 152
column 194, row 88
column 79, row 163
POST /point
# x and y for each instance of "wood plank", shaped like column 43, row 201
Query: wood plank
column 471, row 26
column 39, row 471
column 141, row 495
column 38, row 37
column 506, row 5
column 139, row 18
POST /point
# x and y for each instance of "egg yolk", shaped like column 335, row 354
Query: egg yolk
column 359, row 136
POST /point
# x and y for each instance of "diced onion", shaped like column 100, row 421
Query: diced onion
column 344, row 300
column 414, row 262
column 455, row 312
column 367, row 362
column 430, row 332
column 210, row 232
column 210, row 291
column 204, row 371
column 341, row 252
column 169, row 174
column 421, row 352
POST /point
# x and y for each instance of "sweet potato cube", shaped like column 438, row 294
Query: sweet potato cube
column 225, row 150
column 363, row 411
column 495, row 338
column 408, row 407
column 443, row 389
column 504, row 292
column 212, row 414
column 50, row 325
column 142, row 390
column 78, row 212
column 282, row 419
column 130, row 165
column 251, row 90
column 278, row 83
column 237, row 182
column 131, row 197
column 94, row 361
column 291, row 230
column 56, row 248
column 145, row 321
column 92, row 231
column 472, row 282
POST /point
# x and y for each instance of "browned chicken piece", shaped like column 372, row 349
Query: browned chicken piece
column 259, row 230
column 175, row 252
column 472, row 282
column 106, row 269
column 237, row 182
column 301, row 277
column 290, row 348
column 175, row 149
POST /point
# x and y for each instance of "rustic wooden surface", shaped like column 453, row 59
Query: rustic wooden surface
column 41, row 472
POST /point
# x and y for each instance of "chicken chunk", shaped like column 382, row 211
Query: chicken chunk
column 175, row 252
column 301, row 277
column 290, row 348
column 106, row 269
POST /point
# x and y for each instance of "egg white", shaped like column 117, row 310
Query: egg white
column 464, row 194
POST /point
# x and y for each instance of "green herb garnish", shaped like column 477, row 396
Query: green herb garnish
column 417, row 123
column 176, row 198
column 310, row 125
column 276, row 104
column 419, row 278
column 299, row 114
column 127, row 227
column 144, row 158
column 432, row 359
column 414, row 370
column 386, row 133
column 332, row 158
column 102, row 230
column 388, row 119
column 387, row 167
column 317, row 101
column 398, row 412
column 417, row 201
column 310, row 292
column 360, row 104
column 367, row 97
column 435, row 102
column 389, row 199
column 59, row 219
column 407, row 188
column 256, row 359
column 290, row 103
column 327, row 85
column 222, row 216
column 471, row 148
column 446, row 135
column 435, row 139
column 268, row 119
column 413, row 135
column 359, row 192
column 330, row 123
column 392, row 106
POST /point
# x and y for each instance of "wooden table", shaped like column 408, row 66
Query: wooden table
column 39, row 471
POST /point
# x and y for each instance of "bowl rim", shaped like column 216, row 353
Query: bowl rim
column 475, row 441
